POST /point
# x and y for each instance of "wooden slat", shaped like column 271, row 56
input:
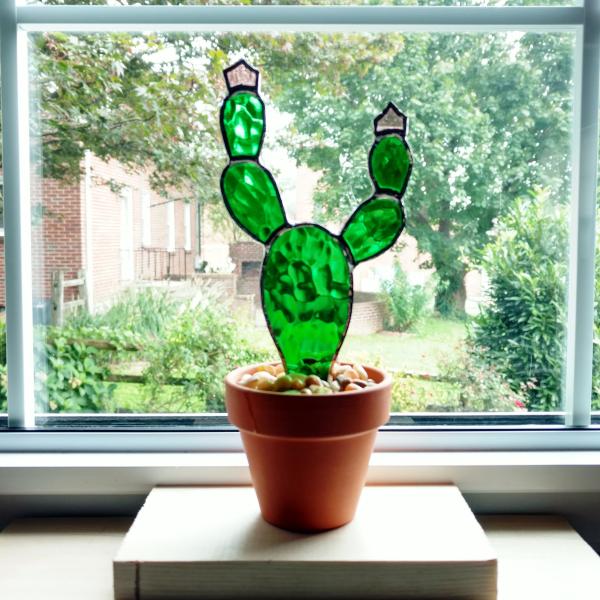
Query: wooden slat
column 74, row 304
column 73, row 282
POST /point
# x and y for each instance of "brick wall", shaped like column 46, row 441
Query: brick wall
column 367, row 314
column 247, row 257
column 59, row 230
column 57, row 242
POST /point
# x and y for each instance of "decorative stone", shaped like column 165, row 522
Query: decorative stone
column 373, row 228
column 244, row 124
column 252, row 198
column 306, row 285
column 390, row 163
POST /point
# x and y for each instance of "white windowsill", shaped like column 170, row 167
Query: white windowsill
column 137, row 473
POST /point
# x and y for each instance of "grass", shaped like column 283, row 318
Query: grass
column 130, row 398
column 415, row 351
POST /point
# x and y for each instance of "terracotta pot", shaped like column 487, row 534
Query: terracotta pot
column 308, row 455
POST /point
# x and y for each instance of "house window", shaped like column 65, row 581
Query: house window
column 126, row 235
column 495, row 99
column 170, row 207
column 187, row 227
column 146, row 220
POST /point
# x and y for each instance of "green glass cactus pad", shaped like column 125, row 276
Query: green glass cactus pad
column 373, row 228
column 306, row 286
column 253, row 200
column 243, row 122
column 306, row 282
column 390, row 163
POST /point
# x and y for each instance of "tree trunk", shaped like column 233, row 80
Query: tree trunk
column 451, row 293
column 460, row 295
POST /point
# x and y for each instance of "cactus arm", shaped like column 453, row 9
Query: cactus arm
column 248, row 189
column 377, row 223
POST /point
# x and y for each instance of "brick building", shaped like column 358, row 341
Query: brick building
column 110, row 225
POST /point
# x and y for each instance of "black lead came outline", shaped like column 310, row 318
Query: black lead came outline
column 378, row 192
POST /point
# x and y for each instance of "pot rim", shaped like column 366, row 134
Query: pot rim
column 232, row 378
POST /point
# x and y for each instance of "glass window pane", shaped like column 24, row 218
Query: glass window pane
column 146, row 291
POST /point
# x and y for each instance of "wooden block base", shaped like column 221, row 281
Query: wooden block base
column 406, row 542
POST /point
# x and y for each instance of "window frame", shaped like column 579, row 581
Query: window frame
column 18, row 20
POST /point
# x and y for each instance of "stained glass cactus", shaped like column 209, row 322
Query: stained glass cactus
column 306, row 282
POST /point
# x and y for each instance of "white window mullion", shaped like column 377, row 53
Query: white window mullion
column 583, row 223
column 17, row 218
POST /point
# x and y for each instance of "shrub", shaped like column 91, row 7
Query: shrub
column 405, row 303
column 464, row 384
column 3, row 379
column 188, row 349
column 479, row 386
column 71, row 374
column 520, row 330
column 196, row 349
column 416, row 394
column 141, row 312
column 596, row 355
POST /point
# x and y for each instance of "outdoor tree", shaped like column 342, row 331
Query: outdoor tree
column 139, row 99
column 490, row 121
column 145, row 100
column 489, row 112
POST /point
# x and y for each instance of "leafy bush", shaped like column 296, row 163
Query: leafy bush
column 405, row 303
column 196, row 350
column 187, row 349
column 70, row 374
column 520, row 331
column 417, row 394
column 140, row 312
column 596, row 355
column 464, row 384
column 479, row 386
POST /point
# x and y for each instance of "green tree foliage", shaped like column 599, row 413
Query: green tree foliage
column 520, row 331
column 140, row 99
column 489, row 117
column 405, row 303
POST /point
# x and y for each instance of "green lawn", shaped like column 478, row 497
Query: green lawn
column 418, row 350
column 130, row 398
